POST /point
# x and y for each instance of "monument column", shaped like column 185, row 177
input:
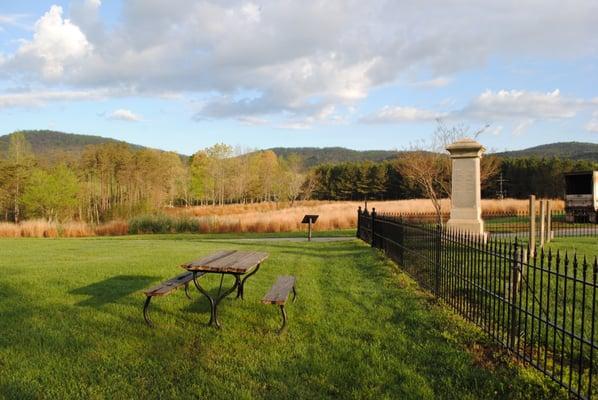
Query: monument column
column 466, row 203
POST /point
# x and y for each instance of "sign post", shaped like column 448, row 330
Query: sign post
column 309, row 220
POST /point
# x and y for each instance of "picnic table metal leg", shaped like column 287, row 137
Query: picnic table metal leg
column 187, row 291
column 242, row 284
column 215, row 301
column 284, row 319
column 146, row 313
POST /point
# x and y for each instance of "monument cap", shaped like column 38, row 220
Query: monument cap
column 465, row 147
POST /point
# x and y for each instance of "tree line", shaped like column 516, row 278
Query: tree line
column 542, row 176
column 113, row 180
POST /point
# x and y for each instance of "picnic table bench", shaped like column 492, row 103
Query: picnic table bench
column 279, row 294
column 164, row 289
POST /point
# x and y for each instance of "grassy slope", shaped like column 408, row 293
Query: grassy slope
column 71, row 327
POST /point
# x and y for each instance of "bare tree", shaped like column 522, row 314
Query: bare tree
column 428, row 166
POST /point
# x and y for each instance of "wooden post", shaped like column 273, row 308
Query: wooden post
column 532, row 225
column 548, row 222
column 309, row 230
column 542, row 222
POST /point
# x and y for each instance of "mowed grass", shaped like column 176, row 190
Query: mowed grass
column 582, row 246
column 71, row 327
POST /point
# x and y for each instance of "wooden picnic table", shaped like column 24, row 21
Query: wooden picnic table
column 226, row 262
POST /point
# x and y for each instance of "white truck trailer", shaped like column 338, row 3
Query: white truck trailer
column 581, row 196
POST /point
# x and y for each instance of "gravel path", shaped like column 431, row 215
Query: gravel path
column 288, row 239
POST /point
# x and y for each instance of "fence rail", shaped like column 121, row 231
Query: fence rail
column 517, row 224
column 542, row 308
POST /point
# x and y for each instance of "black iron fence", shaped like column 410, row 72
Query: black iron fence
column 541, row 307
column 517, row 224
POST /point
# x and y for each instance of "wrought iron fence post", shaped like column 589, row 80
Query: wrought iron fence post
column 373, row 227
column 515, row 281
column 358, row 233
column 437, row 260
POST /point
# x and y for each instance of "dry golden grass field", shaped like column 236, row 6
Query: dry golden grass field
column 258, row 218
column 282, row 217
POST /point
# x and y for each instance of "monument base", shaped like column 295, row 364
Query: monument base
column 474, row 226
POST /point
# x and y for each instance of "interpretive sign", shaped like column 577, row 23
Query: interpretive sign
column 309, row 220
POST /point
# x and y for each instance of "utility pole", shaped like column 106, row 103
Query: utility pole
column 501, row 190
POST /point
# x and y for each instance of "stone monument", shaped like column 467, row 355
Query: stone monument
column 466, row 207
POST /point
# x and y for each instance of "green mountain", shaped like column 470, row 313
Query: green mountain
column 55, row 145
column 44, row 143
column 312, row 156
column 570, row 150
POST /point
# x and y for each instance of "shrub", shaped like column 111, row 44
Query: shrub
column 162, row 224
column 186, row 225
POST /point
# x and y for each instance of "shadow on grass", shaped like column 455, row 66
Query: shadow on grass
column 112, row 289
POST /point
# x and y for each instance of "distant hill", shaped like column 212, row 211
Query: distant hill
column 50, row 142
column 570, row 150
column 56, row 145
column 312, row 156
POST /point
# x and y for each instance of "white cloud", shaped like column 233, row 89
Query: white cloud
column 510, row 104
column 56, row 44
column 249, row 120
column 592, row 125
column 295, row 125
column 522, row 127
column 124, row 115
column 438, row 82
column 518, row 108
column 296, row 58
column 11, row 20
column 399, row 114
column 40, row 98
column 252, row 12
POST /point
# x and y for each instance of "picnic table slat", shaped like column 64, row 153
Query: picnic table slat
column 211, row 258
column 227, row 261
column 279, row 292
column 168, row 286
column 237, row 261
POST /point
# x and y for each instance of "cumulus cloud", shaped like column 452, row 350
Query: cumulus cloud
column 56, row 44
column 399, row 114
column 124, row 115
column 296, row 58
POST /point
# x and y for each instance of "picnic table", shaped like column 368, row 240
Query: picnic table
column 226, row 262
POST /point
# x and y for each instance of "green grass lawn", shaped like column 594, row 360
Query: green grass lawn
column 71, row 327
column 582, row 246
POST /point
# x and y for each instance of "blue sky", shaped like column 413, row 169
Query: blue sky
column 182, row 75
